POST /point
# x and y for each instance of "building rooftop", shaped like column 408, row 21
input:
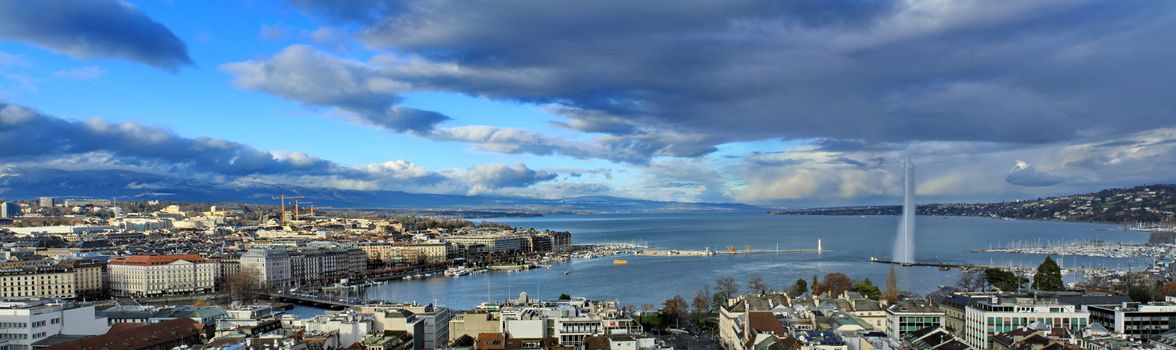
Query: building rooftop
column 145, row 260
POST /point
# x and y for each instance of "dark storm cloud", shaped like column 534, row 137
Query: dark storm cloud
column 93, row 28
column 26, row 134
column 35, row 139
column 876, row 71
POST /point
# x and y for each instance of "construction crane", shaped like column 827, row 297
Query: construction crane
column 298, row 205
column 283, row 197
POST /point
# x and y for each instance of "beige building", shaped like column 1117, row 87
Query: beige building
column 473, row 323
column 69, row 279
column 149, row 275
column 429, row 253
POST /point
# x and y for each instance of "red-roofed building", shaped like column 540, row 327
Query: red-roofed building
column 152, row 275
column 161, row 336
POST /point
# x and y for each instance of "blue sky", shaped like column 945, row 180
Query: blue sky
column 796, row 103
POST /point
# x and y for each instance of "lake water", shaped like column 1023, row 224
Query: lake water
column 849, row 241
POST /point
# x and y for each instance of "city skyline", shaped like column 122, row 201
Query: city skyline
column 800, row 103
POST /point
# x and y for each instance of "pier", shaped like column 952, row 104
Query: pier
column 675, row 252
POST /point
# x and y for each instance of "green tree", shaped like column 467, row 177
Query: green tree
column 1140, row 293
column 799, row 288
column 867, row 288
column 565, row 296
column 1048, row 276
column 1005, row 281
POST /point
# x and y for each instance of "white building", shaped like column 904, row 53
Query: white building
column 150, row 275
column 9, row 210
column 23, row 323
column 984, row 319
column 271, row 267
column 349, row 327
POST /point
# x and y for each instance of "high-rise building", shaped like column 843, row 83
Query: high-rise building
column 46, row 202
column 9, row 210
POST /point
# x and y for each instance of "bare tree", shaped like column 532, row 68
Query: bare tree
column 675, row 308
column 972, row 281
column 701, row 302
column 726, row 286
column 755, row 283
column 836, row 283
column 243, row 286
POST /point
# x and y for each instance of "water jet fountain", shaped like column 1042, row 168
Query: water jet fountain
column 904, row 243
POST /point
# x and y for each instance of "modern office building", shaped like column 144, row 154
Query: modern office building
column 911, row 315
column 1135, row 320
column 997, row 315
column 23, row 323
column 9, row 210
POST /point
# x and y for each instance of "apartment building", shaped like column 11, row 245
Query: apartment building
column 416, row 253
column 68, row 279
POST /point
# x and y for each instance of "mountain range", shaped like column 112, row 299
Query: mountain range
column 122, row 185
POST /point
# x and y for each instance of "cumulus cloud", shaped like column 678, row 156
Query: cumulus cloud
column 89, row 29
column 302, row 74
column 1024, row 174
column 485, row 178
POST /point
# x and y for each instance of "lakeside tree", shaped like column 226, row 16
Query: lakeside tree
column 242, row 286
column 701, row 302
column 799, row 288
column 867, row 288
column 726, row 286
column 891, row 295
column 1005, row 281
column 972, row 281
column 675, row 309
column 1048, row 276
column 755, row 283
column 836, row 283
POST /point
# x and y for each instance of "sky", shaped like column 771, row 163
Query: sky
column 787, row 103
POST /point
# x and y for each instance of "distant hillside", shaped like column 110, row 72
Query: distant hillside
column 25, row 184
column 1152, row 203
